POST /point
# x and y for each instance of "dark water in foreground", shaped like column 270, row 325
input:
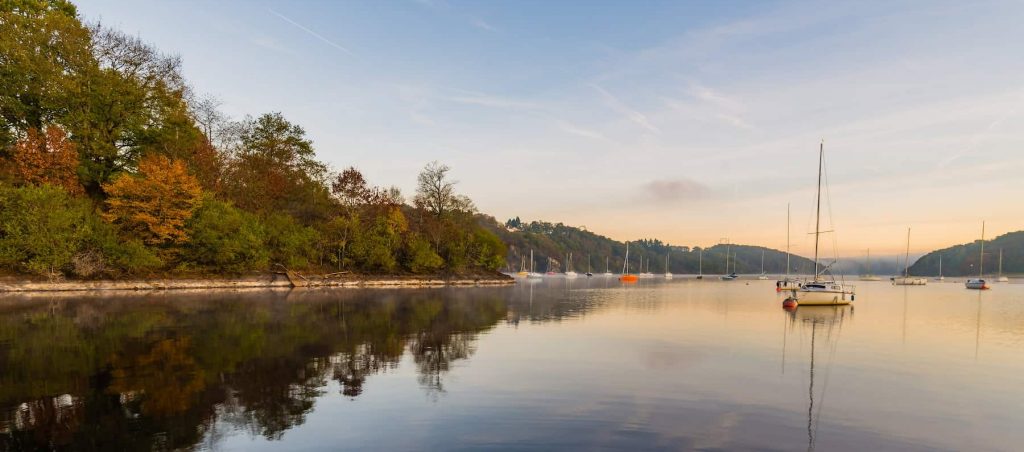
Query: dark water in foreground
column 584, row 364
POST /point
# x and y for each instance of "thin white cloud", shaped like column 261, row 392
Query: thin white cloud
column 581, row 131
column 482, row 24
column 635, row 116
column 487, row 100
column 311, row 32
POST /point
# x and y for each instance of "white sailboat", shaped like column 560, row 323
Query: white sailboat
column 822, row 291
column 568, row 267
column 907, row 280
column 763, row 275
column 607, row 269
column 787, row 283
column 940, row 277
column 700, row 264
column 533, row 272
column 668, row 274
column 869, row 276
column 729, row 276
column 645, row 274
column 979, row 282
column 589, row 272
column 1001, row 278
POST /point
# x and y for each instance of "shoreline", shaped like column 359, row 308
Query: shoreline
column 274, row 281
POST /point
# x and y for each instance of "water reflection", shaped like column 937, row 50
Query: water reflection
column 824, row 325
column 155, row 371
column 570, row 364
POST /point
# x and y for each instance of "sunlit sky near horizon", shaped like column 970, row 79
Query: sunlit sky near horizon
column 684, row 121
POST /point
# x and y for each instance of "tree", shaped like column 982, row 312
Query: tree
column 44, row 51
column 273, row 168
column 156, row 203
column 48, row 158
column 436, row 193
column 41, row 228
column 225, row 238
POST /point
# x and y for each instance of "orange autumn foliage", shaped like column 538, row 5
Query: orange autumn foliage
column 155, row 203
column 47, row 158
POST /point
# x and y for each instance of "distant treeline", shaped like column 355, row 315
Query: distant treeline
column 964, row 260
column 590, row 250
column 111, row 165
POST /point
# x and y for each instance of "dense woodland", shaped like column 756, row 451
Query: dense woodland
column 554, row 242
column 111, row 165
column 963, row 260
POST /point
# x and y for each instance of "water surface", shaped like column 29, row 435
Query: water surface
column 569, row 364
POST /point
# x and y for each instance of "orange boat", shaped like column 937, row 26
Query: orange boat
column 626, row 277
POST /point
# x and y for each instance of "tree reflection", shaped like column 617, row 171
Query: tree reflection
column 157, row 371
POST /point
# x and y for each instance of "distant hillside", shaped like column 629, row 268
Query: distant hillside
column 962, row 260
column 556, row 240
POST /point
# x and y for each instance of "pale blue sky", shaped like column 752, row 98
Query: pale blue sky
column 686, row 121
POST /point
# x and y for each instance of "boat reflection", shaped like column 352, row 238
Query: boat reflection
column 824, row 325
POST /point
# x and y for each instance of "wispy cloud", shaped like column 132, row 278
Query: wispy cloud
column 581, row 131
column 481, row 24
column 311, row 32
column 635, row 116
column 487, row 100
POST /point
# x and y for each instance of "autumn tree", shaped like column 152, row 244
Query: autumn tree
column 435, row 191
column 273, row 168
column 47, row 158
column 156, row 203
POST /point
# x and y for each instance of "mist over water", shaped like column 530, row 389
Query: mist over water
column 557, row 363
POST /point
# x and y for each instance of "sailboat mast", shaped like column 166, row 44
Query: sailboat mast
column 625, row 263
column 906, row 259
column 981, row 258
column 700, row 262
column 940, row 266
column 1000, row 262
column 817, row 214
column 762, row 262
column 787, row 240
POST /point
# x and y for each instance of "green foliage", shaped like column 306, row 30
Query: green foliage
column 375, row 247
column 288, row 242
column 488, row 250
column 120, row 255
column 225, row 238
column 41, row 228
column 965, row 259
column 420, row 256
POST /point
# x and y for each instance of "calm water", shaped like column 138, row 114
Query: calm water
column 583, row 364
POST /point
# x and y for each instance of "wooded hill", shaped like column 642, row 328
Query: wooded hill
column 556, row 241
column 962, row 260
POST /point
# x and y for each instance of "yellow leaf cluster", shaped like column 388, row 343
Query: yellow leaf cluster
column 154, row 204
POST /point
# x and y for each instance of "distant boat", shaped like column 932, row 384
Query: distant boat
column 668, row 274
column 906, row 280
column 589, row 273
column 626, row 276
column 868, row 276
column 551, row 271
column 729, row 276
column 523, row 272
column 700, row 264
column 940, row 278
column 645, row 274
column 979, row 282
column 787, row 283
column 1001, row 278
column 568, row 267
column 607, row 270
column 763, row 275
column 533, row 273
column 820, row 291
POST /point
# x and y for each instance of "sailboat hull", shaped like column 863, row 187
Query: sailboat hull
column 824, row 294
column 908, row 281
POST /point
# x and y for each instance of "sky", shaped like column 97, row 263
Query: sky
column 691, row 122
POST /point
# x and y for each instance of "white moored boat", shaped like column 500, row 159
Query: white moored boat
column 1001, row 278
column 906, row 279
column 979, row 283
column 823, row 290
column 787, row 283
column 868, row 276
